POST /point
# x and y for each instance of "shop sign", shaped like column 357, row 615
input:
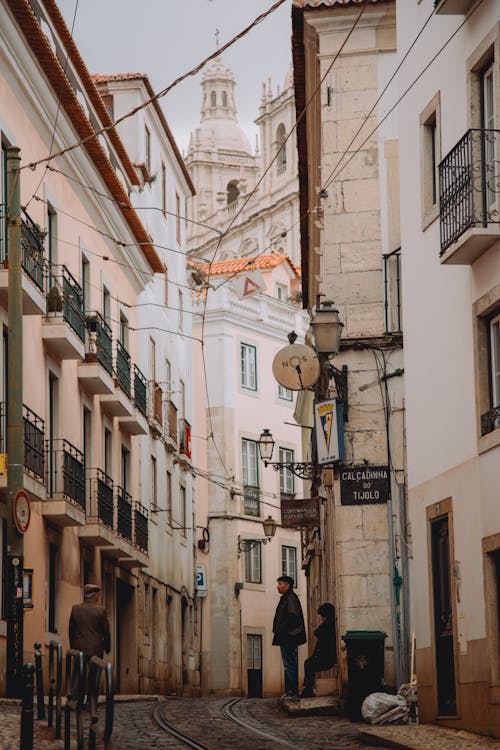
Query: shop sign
column 296, row 513
column 365, row 485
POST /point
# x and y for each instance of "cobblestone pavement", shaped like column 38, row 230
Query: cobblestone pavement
column 136, row 729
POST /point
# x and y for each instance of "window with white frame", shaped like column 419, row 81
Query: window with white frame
column 287, row 483
column 285, row 393
column 430, row 133
column 281, row 292
column 250, row 458
column 289, row 562
column 248, row 356
column 253, row 564
column 495, row 365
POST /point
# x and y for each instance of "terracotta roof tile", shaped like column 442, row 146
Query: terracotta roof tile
column 318, row 3
column 237, row 265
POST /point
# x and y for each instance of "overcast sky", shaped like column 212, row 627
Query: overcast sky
column 165, row 38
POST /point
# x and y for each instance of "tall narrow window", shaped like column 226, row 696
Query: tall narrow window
column 165, row 286
column 233, row 193
column 224, row 98
column 168, row 498
column 289, row 562
column 248, row 356
column 3, row 559
column 178, row 219
column 392, row 291
column 108, row 452
column 490, row 136
column 125, row 468
column 85, row 278
column 3, row 212
column 253, row 564
column 124, row 331
column 164, row 189
column 430, row 158
column 251, row 504
column 154, row 487
column 213, row 99
column 53, row 418
column 52, row 587
column 87, row 437
column 495, row 365
column 281, row 148
column 147, row 149
column 183, row 509
column 287, row 483
column 181, row 310
column 152, row 360
column 106, row 305
column 51, row 236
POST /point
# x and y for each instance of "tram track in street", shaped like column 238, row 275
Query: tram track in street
column 227, row 711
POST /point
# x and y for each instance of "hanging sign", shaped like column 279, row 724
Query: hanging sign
column 248, row 284
column 299, row 512
column 365, row 485
column 329, row 428
column 201, row 580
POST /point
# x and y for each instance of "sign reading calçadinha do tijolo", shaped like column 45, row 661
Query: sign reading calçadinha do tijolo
column 366, row 485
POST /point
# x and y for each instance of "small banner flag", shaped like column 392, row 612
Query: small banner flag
column 248, row 284
column 329, row 424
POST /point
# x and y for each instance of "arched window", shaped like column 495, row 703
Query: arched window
column 224, row 99
column 213, row 99
column 232, row 194
column 281, row 148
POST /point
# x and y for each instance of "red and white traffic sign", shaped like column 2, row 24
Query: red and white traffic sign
column 22, row 511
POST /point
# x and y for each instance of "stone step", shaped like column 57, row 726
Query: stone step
column 323, row 705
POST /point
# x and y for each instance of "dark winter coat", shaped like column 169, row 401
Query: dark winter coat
column 89, row 629
column 288, row 624
column 325, row 651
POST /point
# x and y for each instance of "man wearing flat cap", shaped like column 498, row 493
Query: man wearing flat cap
column 89, row 626
column 289, row 632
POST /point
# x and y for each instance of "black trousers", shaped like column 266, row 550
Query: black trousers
column 311, row 666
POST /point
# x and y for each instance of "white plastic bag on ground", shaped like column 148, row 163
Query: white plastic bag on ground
column 377, row 704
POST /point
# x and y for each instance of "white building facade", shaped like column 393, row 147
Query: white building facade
column 449, row 138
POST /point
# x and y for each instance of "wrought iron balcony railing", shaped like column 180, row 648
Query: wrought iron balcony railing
column 141, row 534
column 123, row 368
column 140, row 391
column 32, row 251
column 101, row 497
column 100, row 345
column 34, row 440
column 251, row 500
column 34, row 443
column 66, row 472
column 65, row 296
column 469, row 185
column 124, row 513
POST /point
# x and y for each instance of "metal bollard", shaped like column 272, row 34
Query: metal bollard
column 27, row 708
column 55, row 684
column 75, row 683
column 40, row 698
column 96, row 667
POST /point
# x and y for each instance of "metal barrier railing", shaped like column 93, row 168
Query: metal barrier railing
column 55, row 685
column 75, row 692
column 40, row 699
column 27, row 708
column 97, row 666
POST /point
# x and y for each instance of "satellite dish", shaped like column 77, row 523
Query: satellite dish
column 296, row 367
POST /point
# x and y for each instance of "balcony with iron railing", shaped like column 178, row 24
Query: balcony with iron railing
column 119, row 403
column 32, row 261
column 63, row 329
column 141, row 533
column 65, row 505
column 99, row 529
column 136, row 422
column 34, row 451
column 96, row 374
column 124, row 513
column 251, row 500
column 184, row 438
column 469, row 190
column 172, row 421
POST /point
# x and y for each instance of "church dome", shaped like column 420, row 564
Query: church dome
column 219, row 128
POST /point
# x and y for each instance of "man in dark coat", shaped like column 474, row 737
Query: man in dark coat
column 324, row 655
column 89, row 627
column 289, row 632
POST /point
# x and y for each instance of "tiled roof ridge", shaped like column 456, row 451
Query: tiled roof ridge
column 249, row 263
column 329, row 3
column 103, row 77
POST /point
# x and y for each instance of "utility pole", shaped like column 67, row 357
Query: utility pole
column 15, row 428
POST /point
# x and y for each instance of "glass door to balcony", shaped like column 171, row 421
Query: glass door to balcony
column 488, row 124
column 495, row 365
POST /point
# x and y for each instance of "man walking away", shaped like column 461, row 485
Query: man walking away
column 89, row 629
column 289, row 632
column 324, row 655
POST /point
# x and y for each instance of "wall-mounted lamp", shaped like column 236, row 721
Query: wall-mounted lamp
column 266, row 443
column 269, row 525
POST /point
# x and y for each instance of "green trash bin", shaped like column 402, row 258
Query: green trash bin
column 365, row 666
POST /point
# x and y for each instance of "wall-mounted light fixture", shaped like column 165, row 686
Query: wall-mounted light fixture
column 269, row 526
column 266, row 443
